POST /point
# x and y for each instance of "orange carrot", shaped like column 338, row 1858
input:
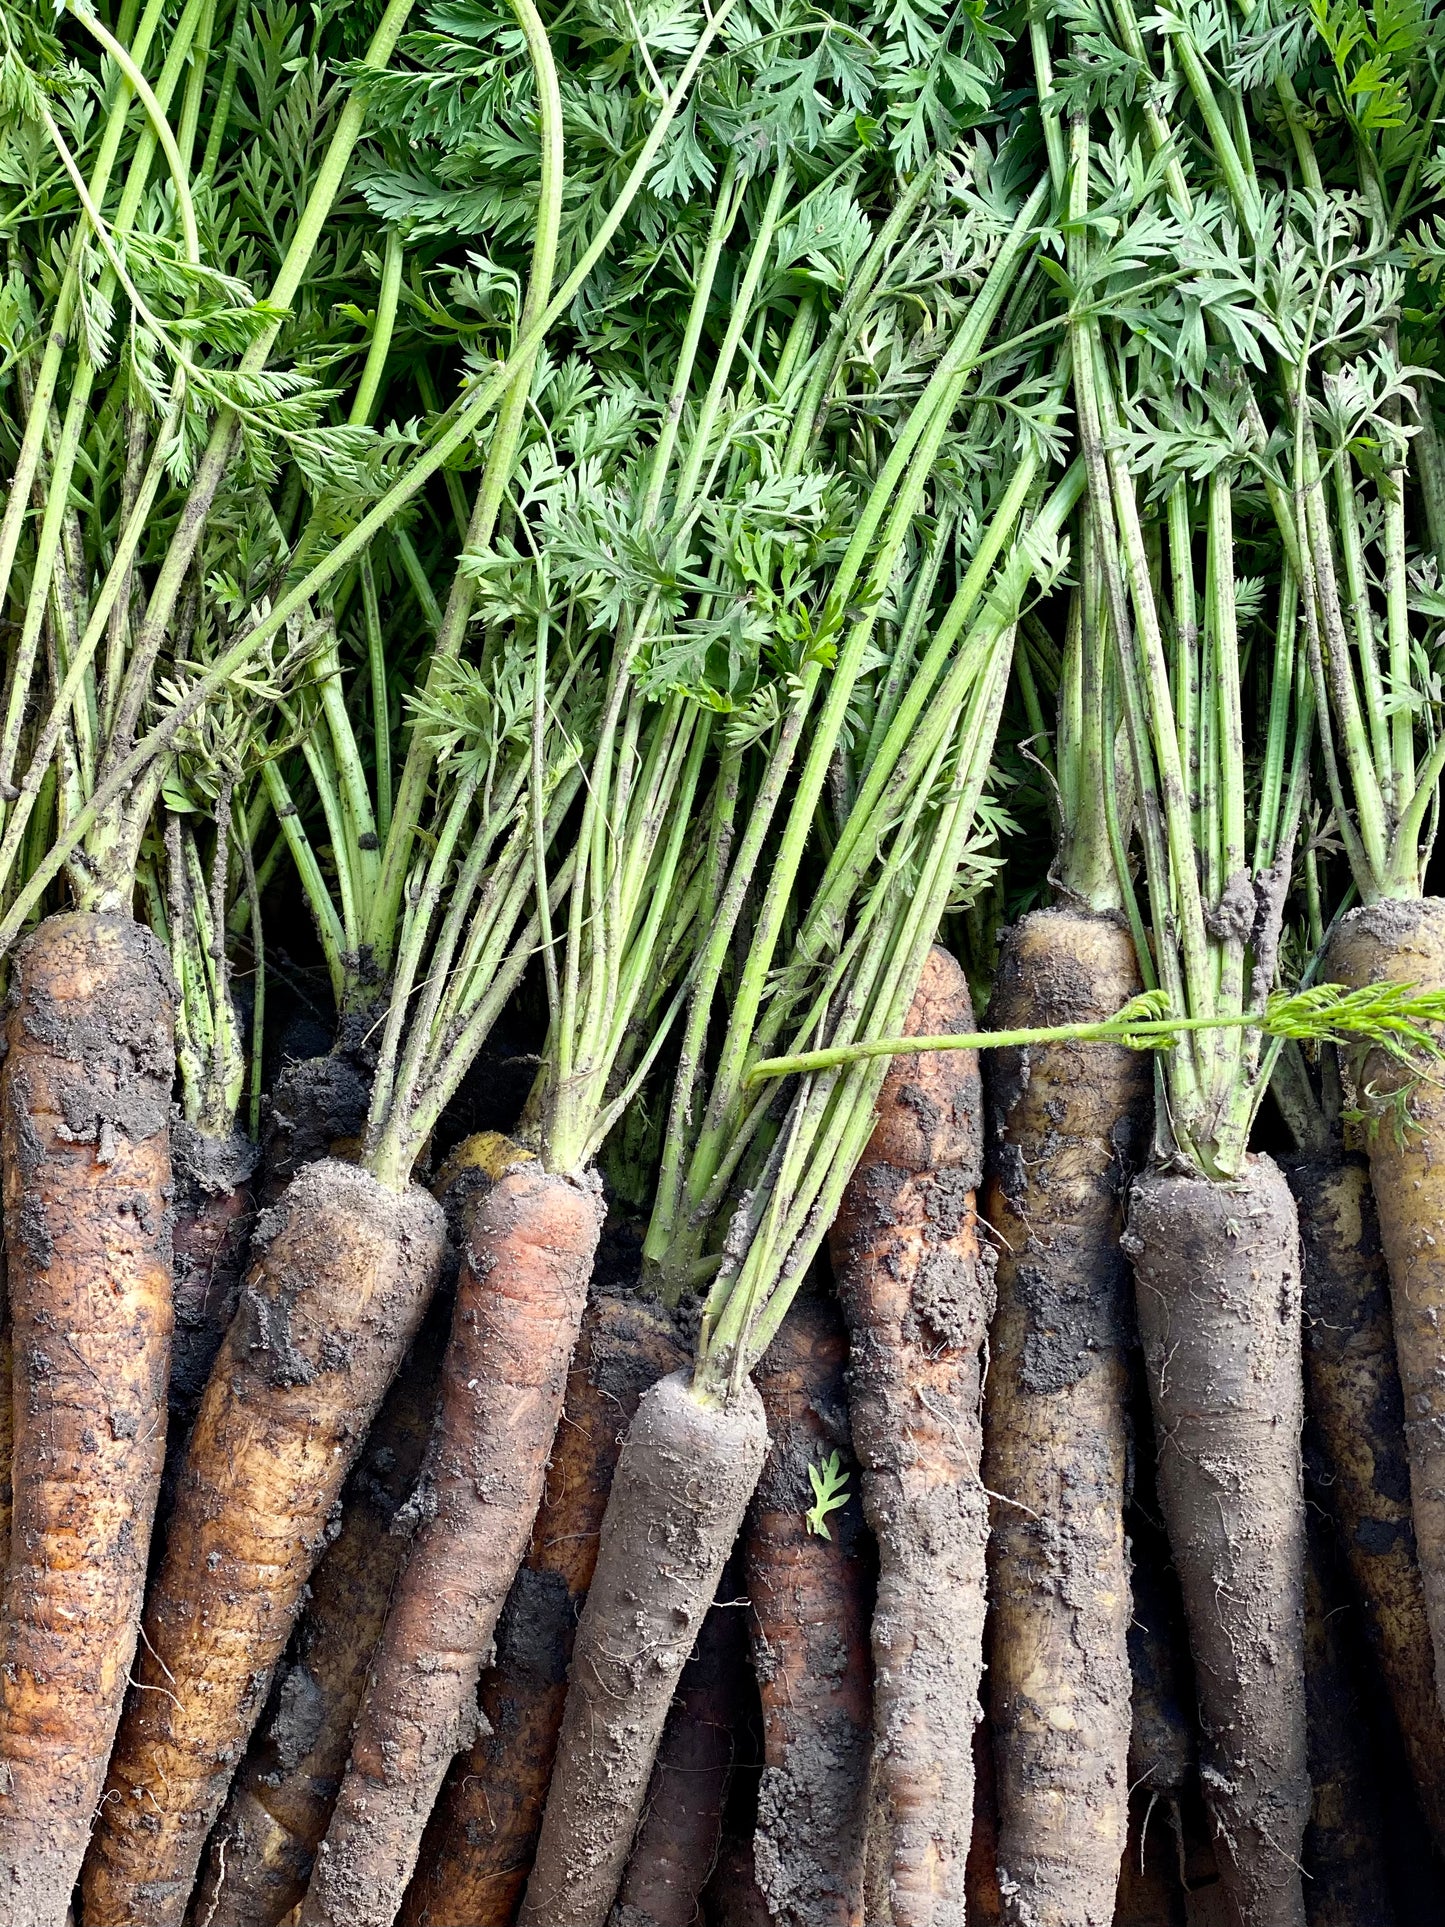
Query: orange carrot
column 84, row 1110
column 916, row 1283
column 520, row 1299
column 332, row 1301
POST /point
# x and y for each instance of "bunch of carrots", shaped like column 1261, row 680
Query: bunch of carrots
column 720, row 749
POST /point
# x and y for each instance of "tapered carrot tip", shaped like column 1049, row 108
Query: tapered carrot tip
column 84, row 1104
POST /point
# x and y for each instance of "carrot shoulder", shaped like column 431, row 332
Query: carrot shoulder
column 84, row 1111
column 520, row 1299
column 916, row 1285
column 329, row 1307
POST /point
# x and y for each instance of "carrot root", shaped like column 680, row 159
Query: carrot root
column 677, row 1840
column 1405, row 943
column 84, row 1109
column 520, row 1299
column 687, row 1471
column 1068, row 1122
column 1218, row 1299
column 810, row 1599
column 264, row 1845
column 1358, row 1414
column 916, row 1286
column 330, row 1305
column 479, row 1844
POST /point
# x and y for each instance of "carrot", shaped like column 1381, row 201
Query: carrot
column 315, row 1104
column 809, row 1588
column 84, row 1109
column 335, row 1295
column 213, row 1217
column 1162, row 1748
column 687, row 1470
column 1151, row 1893
column 1355, row 1404
column 981, row 1889
column 1066, row 1124
column 678, row 1837
column 1345, row 1874
column 915, row 1281
column 1218, row 1298
column 1404, row 942
column 262, row 1847
column 477, row 1851
column 733, row 1897
column 520, row 1299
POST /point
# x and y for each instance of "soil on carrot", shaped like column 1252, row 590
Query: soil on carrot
column 915, row 1279
column 85, row 1106
column 478, row 1848
column 1218, row 1302
column 214, row 1213
column 811, row 1594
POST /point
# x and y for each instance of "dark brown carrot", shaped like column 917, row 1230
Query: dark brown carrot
column 316, row 1104
column 1162, row 1741
column 1355, row 1405
column 1067, row 1123
column 680, row 1830
column 344, row 1272
column 84, row 1108
column 1151, row 1893
column 810, row 1594
column 520, row 1299
column 981, row 1888
column 687, row 1471
column 263, row 1846
column 478, row 1848
column 733, row 1897
column 1345, row 1875
column 1218, row 1300
column 915, row 1281
column 214, row 1212
column 1404, row 942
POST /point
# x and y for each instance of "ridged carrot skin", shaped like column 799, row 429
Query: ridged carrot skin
column 84, row 1112
column 1069, row 1122
column 332, row 1301
column 1404, row 942
column 263, row 1846
column 915, row 1279
column 531, row 1240
column 478, row 1847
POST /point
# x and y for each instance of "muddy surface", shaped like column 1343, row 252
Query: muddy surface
column 1217, row 1272
column 342, row 1271
column 1068, row 1121
column 85, row 1098
column 915, row 1279
column 682, row 1485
